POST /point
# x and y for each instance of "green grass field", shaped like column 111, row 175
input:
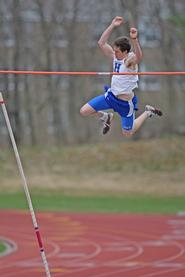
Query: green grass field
column 115, row 204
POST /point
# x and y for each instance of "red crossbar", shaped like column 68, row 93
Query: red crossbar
column 89, row 73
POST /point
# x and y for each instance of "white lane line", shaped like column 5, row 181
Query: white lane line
column 10, row 245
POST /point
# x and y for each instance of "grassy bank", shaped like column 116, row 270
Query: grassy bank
column 152, row 167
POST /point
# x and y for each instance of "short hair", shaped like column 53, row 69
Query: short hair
column 123, row 43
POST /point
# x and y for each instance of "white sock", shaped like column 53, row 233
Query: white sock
column 104, row 116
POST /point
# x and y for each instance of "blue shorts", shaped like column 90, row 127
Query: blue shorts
column 126, row 109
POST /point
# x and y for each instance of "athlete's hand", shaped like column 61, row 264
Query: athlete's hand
column 133, row 33
column 117, row 21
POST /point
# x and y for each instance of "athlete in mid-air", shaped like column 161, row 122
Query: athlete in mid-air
column 120, row 96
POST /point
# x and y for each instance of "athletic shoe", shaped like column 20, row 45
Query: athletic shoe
column 153, row 111
column 107, row 123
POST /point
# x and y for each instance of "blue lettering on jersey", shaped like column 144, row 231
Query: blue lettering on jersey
column 117, row 67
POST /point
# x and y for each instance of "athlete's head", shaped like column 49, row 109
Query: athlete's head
column 121, row 47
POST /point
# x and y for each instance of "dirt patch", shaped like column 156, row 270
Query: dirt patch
column 113, row 184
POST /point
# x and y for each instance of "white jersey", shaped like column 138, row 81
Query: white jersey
column 121, row 84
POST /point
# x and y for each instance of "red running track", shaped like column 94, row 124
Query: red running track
column 94, row 245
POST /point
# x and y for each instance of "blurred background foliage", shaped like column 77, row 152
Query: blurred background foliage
column 55, row 35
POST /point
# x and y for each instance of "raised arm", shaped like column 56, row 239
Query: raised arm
column 105, row 47
column 136, row 45
column 136, row 57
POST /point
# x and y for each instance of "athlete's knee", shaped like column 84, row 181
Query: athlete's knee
column 84, row 110
column 126, row 133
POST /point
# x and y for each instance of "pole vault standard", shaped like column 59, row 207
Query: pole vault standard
column 24, row 182
column 90, row 72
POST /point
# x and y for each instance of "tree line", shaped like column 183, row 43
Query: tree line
column 53, row 35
